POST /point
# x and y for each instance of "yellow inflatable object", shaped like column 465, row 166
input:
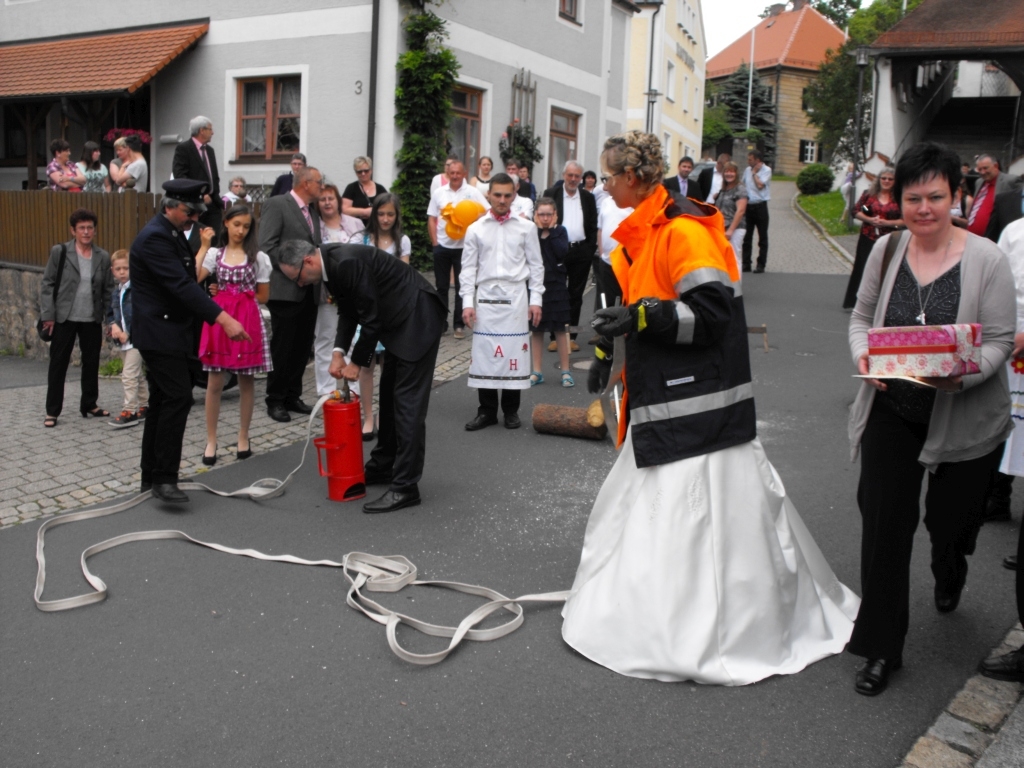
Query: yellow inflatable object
column 458, row 217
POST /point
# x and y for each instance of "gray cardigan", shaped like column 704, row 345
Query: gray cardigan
column 971, row 423
column 102, row 284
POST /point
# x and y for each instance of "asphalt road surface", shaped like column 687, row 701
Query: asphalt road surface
column 200, row 658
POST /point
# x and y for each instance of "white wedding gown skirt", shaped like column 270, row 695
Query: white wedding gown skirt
column 703, row 570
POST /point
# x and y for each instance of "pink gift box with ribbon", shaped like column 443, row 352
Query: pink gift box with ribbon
column 925, row 350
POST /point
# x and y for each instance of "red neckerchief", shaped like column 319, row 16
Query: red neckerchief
column 501, row 219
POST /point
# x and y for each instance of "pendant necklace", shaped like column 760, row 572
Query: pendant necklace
column 922, row 305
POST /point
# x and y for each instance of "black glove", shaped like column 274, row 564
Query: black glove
column 597, row 377
column 614, row 321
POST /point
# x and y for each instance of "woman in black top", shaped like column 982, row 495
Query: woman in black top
column 357, row 199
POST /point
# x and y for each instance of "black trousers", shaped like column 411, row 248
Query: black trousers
column 447, row 260
column 402, row 436
column 90, row 338
column 606, row 284
column 1020, row 575
column 170, row 399
column 293, row 326
column 888, row 496
column 757, row 218
column 489, row 401
column 577, row 264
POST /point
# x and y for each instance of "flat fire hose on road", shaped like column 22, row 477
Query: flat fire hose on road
column 364, row 572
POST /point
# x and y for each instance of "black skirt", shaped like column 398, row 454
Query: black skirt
column 555, row 306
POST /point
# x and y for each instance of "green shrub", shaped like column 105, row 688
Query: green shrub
column 112, row 367
column 815, row 179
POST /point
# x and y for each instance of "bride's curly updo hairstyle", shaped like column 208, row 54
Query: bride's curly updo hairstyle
column 638, row 152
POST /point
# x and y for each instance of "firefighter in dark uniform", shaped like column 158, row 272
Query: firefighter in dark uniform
column 165, row 301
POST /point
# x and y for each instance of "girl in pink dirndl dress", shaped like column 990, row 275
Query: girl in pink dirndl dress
column 242, row 272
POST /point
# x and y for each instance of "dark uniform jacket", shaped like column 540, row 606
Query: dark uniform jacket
column 165, row 295
column 589, row 205
column 392, row 302
column 688, row 381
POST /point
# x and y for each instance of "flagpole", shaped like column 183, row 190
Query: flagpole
column 750, row 83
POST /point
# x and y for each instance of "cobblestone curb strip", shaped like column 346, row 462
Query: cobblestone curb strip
column 820, row 230
column 982, row 726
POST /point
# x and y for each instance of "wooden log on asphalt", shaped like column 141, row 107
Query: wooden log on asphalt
column 568, row 422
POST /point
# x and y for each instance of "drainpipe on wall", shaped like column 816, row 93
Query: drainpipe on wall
column 651, row 93
column 371, row 119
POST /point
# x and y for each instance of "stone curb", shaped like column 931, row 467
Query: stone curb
column 813, row 224
column 970, row 731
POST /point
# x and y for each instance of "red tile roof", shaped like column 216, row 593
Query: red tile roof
column 120, row 62
column 796, row 39
column 953, row 25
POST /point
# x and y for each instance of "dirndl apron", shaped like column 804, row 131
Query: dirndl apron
column 1013, row 453
column 501, row 337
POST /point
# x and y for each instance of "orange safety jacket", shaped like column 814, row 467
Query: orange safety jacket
column 688, row 376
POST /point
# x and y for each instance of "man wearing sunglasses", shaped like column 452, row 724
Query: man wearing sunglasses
column 165, row 300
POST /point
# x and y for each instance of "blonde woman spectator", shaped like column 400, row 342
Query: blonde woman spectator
column 129, row 170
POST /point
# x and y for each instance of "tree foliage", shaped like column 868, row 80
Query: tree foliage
column 426, row 74
column 732, row 95
column 518, row 142
column 716, row 118
column 836, row 11
column 832, row 97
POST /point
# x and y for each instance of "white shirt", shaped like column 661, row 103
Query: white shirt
column 441, row 180
column 608, row 219
column 508, row 251
column 572, row 215
column 599, row 194
column 522, row 207
column 1011, row 242
column 440, row 198
column 716, row 186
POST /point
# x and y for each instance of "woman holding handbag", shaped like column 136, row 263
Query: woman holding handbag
column 72, row 306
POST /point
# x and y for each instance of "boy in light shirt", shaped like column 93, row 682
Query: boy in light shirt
column 133, row 377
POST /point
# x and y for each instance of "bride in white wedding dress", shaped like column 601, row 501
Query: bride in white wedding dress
column 695, row 564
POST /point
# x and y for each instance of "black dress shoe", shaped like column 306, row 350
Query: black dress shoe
column 512, row 421
column 758, row 270
column 392, row 500
column 946, row 602
column 746, row 267
column 169, row 492
column 376, row 476
column 297, row 406
column 1009, row 666
column 997, row 510
column 482, row 420
column 1010, row 562
column 873, row 676
column 278, row 413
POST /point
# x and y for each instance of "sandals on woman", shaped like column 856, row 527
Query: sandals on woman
column 567, row 380
column 96, row 413
column 50, row 421
column 536, row 378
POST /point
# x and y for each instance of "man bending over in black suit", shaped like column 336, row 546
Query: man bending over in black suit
column 396, row 305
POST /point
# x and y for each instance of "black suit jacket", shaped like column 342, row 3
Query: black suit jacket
column 704, row 181
column 283, row 184
column 187, row 164
column 281, row 220
column 166, row 298
column 1005, row 209
column 692, row 186
column 589, row 205
column 391, row 301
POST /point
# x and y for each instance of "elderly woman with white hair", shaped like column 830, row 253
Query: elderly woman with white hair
column 357, row 199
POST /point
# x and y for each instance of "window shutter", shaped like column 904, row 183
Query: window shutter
column 803, row 150
column 818, row 156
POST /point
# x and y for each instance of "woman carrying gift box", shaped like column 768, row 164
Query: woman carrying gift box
column 953, row 427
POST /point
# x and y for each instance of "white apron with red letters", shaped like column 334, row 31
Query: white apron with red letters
column 501, row 337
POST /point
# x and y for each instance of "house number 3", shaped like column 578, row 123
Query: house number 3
column 359, row 87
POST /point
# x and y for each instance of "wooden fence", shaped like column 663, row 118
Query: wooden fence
column 32, row 222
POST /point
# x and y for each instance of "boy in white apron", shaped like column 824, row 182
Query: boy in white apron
column 502, row 269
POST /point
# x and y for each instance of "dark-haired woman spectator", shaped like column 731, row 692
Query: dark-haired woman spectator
column 82, row 299
column 63, row 175
column 357, row 199
column 97, row 178
column 952, row 427
column 482, row 180
column 879, row 213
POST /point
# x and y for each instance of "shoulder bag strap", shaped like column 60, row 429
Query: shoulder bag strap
column 890, row 251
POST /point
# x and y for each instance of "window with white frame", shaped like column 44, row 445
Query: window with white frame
column 809, row 151
column 670, row 81
column 570, row 10
column 563, row 133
